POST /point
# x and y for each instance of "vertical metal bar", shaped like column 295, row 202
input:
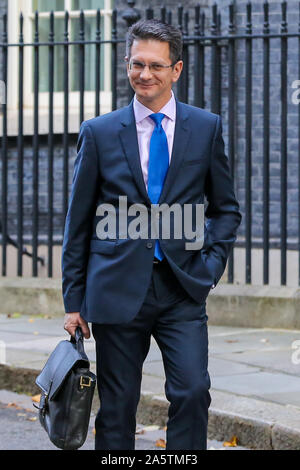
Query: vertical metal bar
column 248, row 159
column 20, row 152
column 231, row 115
column 180, row 83
column 299, row 156
column 114, row 62
column 283, row 172
column 198, row 62
column 35, row 188
column 163, row 14
column 185, row 53
column 4, row 150
column 149, row 13
column 214, row 99
column 98, row 64
column 202, row 62
column 50, row 145
column 266, row 143
column 219, row 67
column 131, row 16
column 170, row 17
column 81, row 64
column 66, row 119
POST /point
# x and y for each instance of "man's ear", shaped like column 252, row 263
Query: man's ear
column 177, row 71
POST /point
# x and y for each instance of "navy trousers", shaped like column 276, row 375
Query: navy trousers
column 179, row 326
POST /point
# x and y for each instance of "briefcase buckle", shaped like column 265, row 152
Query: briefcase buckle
column 85, row 381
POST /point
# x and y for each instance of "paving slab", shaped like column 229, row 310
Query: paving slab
column 262, row 340
column 221, row 367
column 276, row 387
column 278, row 360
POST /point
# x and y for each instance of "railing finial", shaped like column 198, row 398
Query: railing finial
column 131, row 15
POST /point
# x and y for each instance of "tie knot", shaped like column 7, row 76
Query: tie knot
column 157, row 118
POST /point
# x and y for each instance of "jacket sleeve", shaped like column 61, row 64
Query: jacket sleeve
column 79, row 219
column 222, row 212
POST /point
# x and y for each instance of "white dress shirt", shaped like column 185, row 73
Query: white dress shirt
column 145, row 127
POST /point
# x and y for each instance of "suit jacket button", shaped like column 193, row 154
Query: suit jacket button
column 149, row 245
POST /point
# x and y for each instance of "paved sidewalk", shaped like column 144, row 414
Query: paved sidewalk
column 16, row 411
column 255, row 376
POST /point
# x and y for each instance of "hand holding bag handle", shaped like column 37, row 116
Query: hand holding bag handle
column 78, row 340
column 67, row 387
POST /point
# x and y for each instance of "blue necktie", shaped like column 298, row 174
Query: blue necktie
column 158, row 166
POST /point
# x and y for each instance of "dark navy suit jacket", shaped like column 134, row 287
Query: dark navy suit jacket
column 107, row 280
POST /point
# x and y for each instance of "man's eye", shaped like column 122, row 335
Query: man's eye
column 138, row 65
column 157, row 67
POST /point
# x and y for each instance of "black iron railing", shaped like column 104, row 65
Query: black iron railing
column 210, row 60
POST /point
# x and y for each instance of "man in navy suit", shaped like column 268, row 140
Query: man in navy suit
column 156, row 150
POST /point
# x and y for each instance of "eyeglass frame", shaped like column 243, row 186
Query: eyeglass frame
column 129, row 62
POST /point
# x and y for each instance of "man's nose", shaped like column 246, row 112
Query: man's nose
column 146, row 73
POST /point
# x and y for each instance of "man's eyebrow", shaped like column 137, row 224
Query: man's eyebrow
column 153, row 62
column 141, row 60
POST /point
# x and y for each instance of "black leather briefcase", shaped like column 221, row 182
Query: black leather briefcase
column 67, row 387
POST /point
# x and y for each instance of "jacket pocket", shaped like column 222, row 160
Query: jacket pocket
column 103, row 246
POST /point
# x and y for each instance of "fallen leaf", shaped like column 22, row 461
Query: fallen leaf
column 33, row 418
column 36, row 333
column 164, row 428
column 31, row 320
column 160, row 443
column 231, row 340
column 231, row 443
column 13, row 405
column 140, row 431
column 36, row 398
column 94, row 431
column 21, row 414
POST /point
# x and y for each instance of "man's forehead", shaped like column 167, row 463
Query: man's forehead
column 149, row 46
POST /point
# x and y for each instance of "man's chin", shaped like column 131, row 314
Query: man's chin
column 146, row 93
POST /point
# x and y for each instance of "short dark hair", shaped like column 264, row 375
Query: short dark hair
column 155, row 29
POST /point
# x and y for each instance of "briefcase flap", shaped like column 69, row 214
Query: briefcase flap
column 64, row 357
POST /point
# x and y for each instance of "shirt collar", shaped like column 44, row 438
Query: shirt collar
column 141, row 111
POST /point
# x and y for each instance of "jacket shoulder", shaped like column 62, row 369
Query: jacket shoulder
column 107, row 119
column 200, row 113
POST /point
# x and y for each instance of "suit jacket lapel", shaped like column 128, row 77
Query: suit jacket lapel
column 181, row 138
column 130, row 145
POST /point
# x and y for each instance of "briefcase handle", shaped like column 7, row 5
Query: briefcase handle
column 78, row 340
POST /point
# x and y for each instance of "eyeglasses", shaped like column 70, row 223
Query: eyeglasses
column 135, row 66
